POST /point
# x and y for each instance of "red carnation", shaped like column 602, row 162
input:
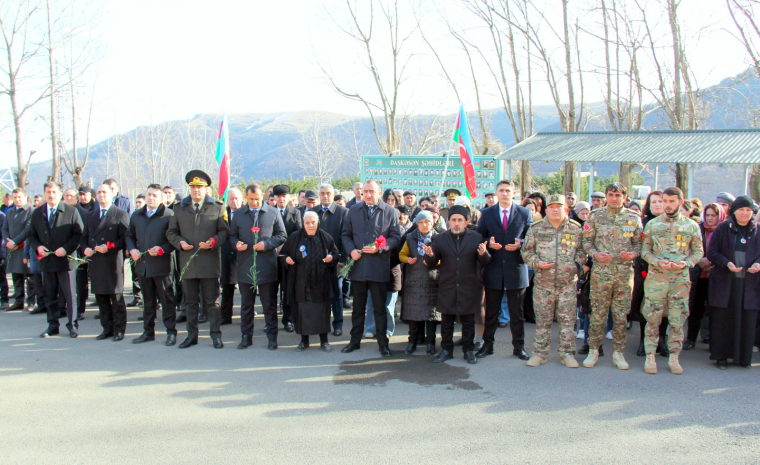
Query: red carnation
column 643, row 274
column 110, row 245
column 255, row 229
column 381, row 242
column 21, row 245
column 213, row 241
column 41, row 256
column 160, row 252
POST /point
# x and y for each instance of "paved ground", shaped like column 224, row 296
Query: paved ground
column 86, row 401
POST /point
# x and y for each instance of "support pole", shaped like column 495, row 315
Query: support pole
column 746, row 179
column 591, row 181
column 509, row 169
column 691, row 175
column 656, row 175
column 578, row 181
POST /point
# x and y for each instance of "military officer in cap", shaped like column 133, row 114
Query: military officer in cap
column 291, row 218
column 451, row 196
column 198, row 229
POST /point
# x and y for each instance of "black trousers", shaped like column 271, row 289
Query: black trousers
column 155, row 290
column 208, row 288
column 63, row 283
column 228, row 295
column 18, row 288
column 418, row 328
column 697, row 305
column 268, row 296
column 378, row 291
column 35, row 292
column 135, row 282
column 83, row 289
column 179, row 298
column 287, row 311
column 4, row 289
column 468, row 332
column 113, row 312
column 516, row 319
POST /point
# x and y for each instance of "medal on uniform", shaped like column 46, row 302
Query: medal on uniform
column 744, row 241
column 302, row 249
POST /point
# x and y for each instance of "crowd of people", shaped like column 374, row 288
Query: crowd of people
column 675, row 266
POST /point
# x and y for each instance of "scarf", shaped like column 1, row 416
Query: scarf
column 423, row 240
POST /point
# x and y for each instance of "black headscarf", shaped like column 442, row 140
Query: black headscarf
column 744, row 201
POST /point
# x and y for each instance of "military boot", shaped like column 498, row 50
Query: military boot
column 593, row 357
column 650, row 365
column 569, row 361
column 536, row 360
column 674, row 366
column 619, row 360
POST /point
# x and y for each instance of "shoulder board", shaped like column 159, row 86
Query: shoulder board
column 225, row 215
column 574, row 223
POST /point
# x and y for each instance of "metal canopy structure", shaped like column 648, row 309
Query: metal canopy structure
column 713, row 146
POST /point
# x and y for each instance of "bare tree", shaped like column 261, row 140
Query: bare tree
column 318, row 153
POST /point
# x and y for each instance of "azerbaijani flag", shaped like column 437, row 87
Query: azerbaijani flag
column 462, row 137
column 223, row 158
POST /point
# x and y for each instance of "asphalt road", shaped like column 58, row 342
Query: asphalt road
column 73, row 401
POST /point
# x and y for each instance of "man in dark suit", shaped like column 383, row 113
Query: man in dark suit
column 103, row 242
column 357, row 188
column 198, row 229
column 292, row 219
column 228, row 278
column 371, row 272
column 170, row 200
column 124, row 203
column 85, row 206
column 15, row 230
column 152, row 254
column 54, row 233
column 331, row 219
column 258, row 227
column 505, row 225
column 410, row 200
column 460, row 252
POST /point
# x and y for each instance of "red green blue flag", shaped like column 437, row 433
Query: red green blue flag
column 462, row 137
column 223, row 158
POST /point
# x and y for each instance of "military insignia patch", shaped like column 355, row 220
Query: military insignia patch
column 586, row 227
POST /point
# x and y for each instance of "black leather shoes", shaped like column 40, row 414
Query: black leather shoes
column 478, row 346
column 289, row 328
column 118, row 337
column 338, row 332
column 134, row 303
column 470, row 357
column 410, row 348
column 16, row 307
column 226, row 321
column 583, row 350
column 302, row 346
column 171, row 339
column 272, row 345
column 202, row 319
column 103, row 335
column 385, row 351
column 144, row 338
column 688, row 345
column 188, row 342
column 442, row 356
column 350, row 348
column 431, row 349
column 38, row 310
column 73, row 334
column 49, row 332
column 325, row 347
column 140, row 318
column 245, row 342
column 485, row 351
column 521, row 354
column 218, row 344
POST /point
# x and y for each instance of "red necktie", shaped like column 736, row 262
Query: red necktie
column 505, row 222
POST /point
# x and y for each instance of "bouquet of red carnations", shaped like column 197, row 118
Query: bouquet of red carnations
column 380, row 243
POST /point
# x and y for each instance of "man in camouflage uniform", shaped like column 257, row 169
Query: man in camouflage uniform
column 672, row 245
column 612, row 236
column 552, row 248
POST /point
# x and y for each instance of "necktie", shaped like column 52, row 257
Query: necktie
column 504, row 222
column 50, row 216
column 371, row 209
column 197, row 208
column 324, row 209
column 282, row 212
column 150, row 213
column 103, row 212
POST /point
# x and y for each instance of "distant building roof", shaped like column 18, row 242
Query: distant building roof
column 728, row 146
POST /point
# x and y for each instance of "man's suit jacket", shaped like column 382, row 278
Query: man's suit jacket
column 65, row 231
column 122, row 202
column 272, row 233
column 507, row 269
column 413, row 212
column 145, row 233
column 106, row 269
column 229, row 257
column 16, row 228
column 360, row 229
column 331, row 221
column 293, row 219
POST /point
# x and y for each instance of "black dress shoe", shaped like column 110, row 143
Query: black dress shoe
column 181, row 318
column 218, row 344
column 410, row 348
column 272, row 345
column 80, row 317
column 103, row 335
column 188, row 342
column 171, row 339
column 521, row 354
column 49, row 332
column 350, row 348
column 73, row 334
column 478, row 346
column 325, row 347
column 134, row 303
column 385, row 351
column 302, row 346
column 226, row 321
column 144, row 337
column 140, row 318
column 202, row 319
column 338, row 332
column 118, row 337
column 16, row 306
column 503, row 325
column 641, row 351
column 38, row 310
column 289, row 327
column 442, row 356
column 722, row 364
column 583, row 350
column 245, row 342
column 470, row 357
column 601, row 351
column 431, row 349
column 688, row 345
column 485, row 351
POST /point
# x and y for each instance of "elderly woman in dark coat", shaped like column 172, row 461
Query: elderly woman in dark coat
column 311, row 255
column 420, row 285
column 734, row 287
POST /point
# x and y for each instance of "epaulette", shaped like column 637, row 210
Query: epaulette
column 572, row 221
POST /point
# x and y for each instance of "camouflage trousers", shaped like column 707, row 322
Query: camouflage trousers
column 666, row 294
column 611, row 288
column 547, row 302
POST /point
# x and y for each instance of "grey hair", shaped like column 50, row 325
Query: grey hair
column 327, row 186
column 309, row 214
column 235, row 190
column 358, row 184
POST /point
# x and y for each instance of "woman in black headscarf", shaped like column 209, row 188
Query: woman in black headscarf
column 734, row 287
column 311, row 255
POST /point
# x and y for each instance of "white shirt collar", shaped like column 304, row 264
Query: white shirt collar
column 502, row 210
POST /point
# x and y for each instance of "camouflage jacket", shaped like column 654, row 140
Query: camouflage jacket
column 613, row 233
column 561, row 246
column 674, row 239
